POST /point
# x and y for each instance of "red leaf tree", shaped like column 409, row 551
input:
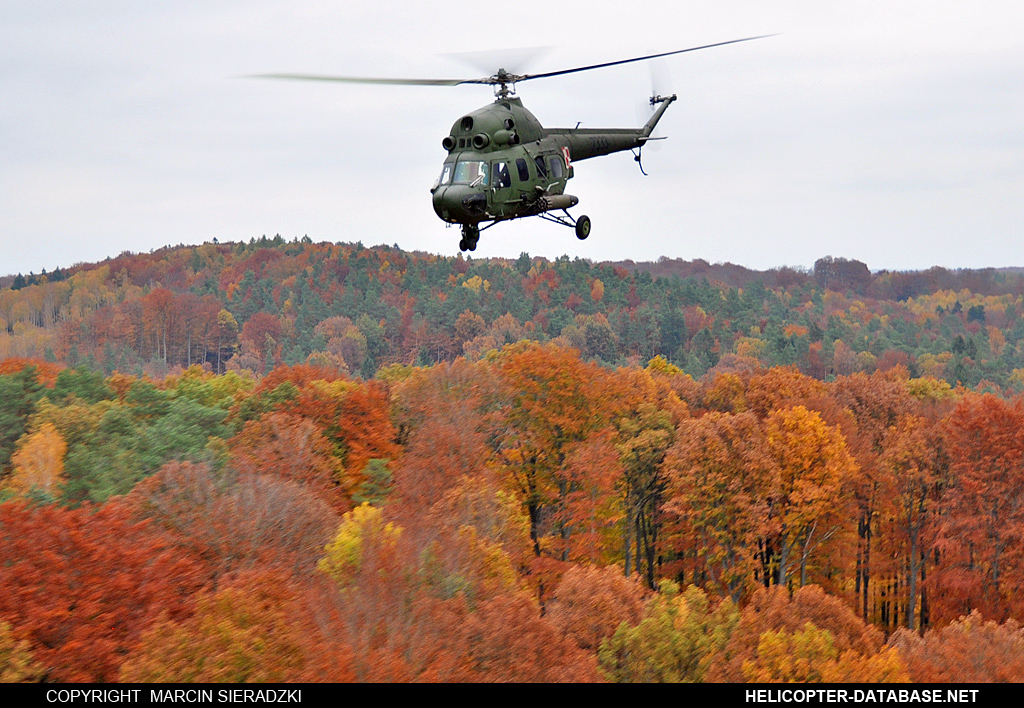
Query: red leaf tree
column 81, row 585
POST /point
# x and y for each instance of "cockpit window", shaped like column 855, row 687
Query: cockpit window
column 471, row 172
column 446, row 175
column 541, row 172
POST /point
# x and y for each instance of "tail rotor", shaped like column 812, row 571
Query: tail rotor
column 661, row 86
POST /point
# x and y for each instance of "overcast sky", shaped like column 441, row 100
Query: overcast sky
column 890, row 132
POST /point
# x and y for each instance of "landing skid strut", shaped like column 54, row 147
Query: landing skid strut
column 581, row 225
column 471, row 232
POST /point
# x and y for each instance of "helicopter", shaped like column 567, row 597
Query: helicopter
column 502, row 164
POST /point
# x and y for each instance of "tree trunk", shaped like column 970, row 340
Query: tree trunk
column 534, row 513
column 637, row 555
column 924, row 595
column 628, row 541
column 912, row 581
column 866, row 570
column 783, row 561
column 649, row 548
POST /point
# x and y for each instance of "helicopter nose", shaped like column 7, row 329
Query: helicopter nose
column 459, row 203
column 442, row 208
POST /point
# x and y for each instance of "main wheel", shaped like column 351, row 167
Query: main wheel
column 582, row 227
column 463, row 246
column 471, row 243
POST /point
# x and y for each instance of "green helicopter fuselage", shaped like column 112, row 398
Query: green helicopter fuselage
column 503, row 164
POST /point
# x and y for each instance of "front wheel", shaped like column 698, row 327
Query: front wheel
column 470, row 235
column 582, row 227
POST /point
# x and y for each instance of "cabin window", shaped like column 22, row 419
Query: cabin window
column 524, row 173
column 541, row 172
column 471, row 172
column 556, row 167
column 502, row 177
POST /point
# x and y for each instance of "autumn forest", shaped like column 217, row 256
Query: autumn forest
column 295, row 461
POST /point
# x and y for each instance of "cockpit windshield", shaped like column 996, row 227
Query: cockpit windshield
column 471, row 172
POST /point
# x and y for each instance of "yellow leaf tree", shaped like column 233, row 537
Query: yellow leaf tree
column 809, row 655
column 16, row 662
column 362, row 537
column 39, row 461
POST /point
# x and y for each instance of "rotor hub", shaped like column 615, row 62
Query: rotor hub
column 504, row 83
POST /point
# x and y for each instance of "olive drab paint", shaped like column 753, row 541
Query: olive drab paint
column 503, row 164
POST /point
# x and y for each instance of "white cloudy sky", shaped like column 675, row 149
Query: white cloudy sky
column 891, row 132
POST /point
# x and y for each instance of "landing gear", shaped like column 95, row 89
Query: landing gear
column 470, row 235
column 582, row 227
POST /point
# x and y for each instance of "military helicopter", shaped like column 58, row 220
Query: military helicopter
column 503, row 164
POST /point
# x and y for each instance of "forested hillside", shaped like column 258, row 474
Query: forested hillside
column 293, row 461
column 269, row 302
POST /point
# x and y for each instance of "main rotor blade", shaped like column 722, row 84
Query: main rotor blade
column 627, row 61
column 368, row 80
column 498, row 79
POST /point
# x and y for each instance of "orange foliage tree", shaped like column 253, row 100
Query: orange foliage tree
column 809, row 637
column 757, row 499
column 363, row 426
column 875, row 402
column 779, row 387
column 439, row 414
column 353, row 415
column 645, row 431
column 451, row 610
column 911, row 473
column 106, row 579
column 967, row 650
column 588, row 511
column 981, row 539
column 720, row 478
column 507, row 639
column 591, row 602
column 294, row 448
column 237, row 522
column 553, row 401
column 811, row 464
column 45, row 371
column 253, row 629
